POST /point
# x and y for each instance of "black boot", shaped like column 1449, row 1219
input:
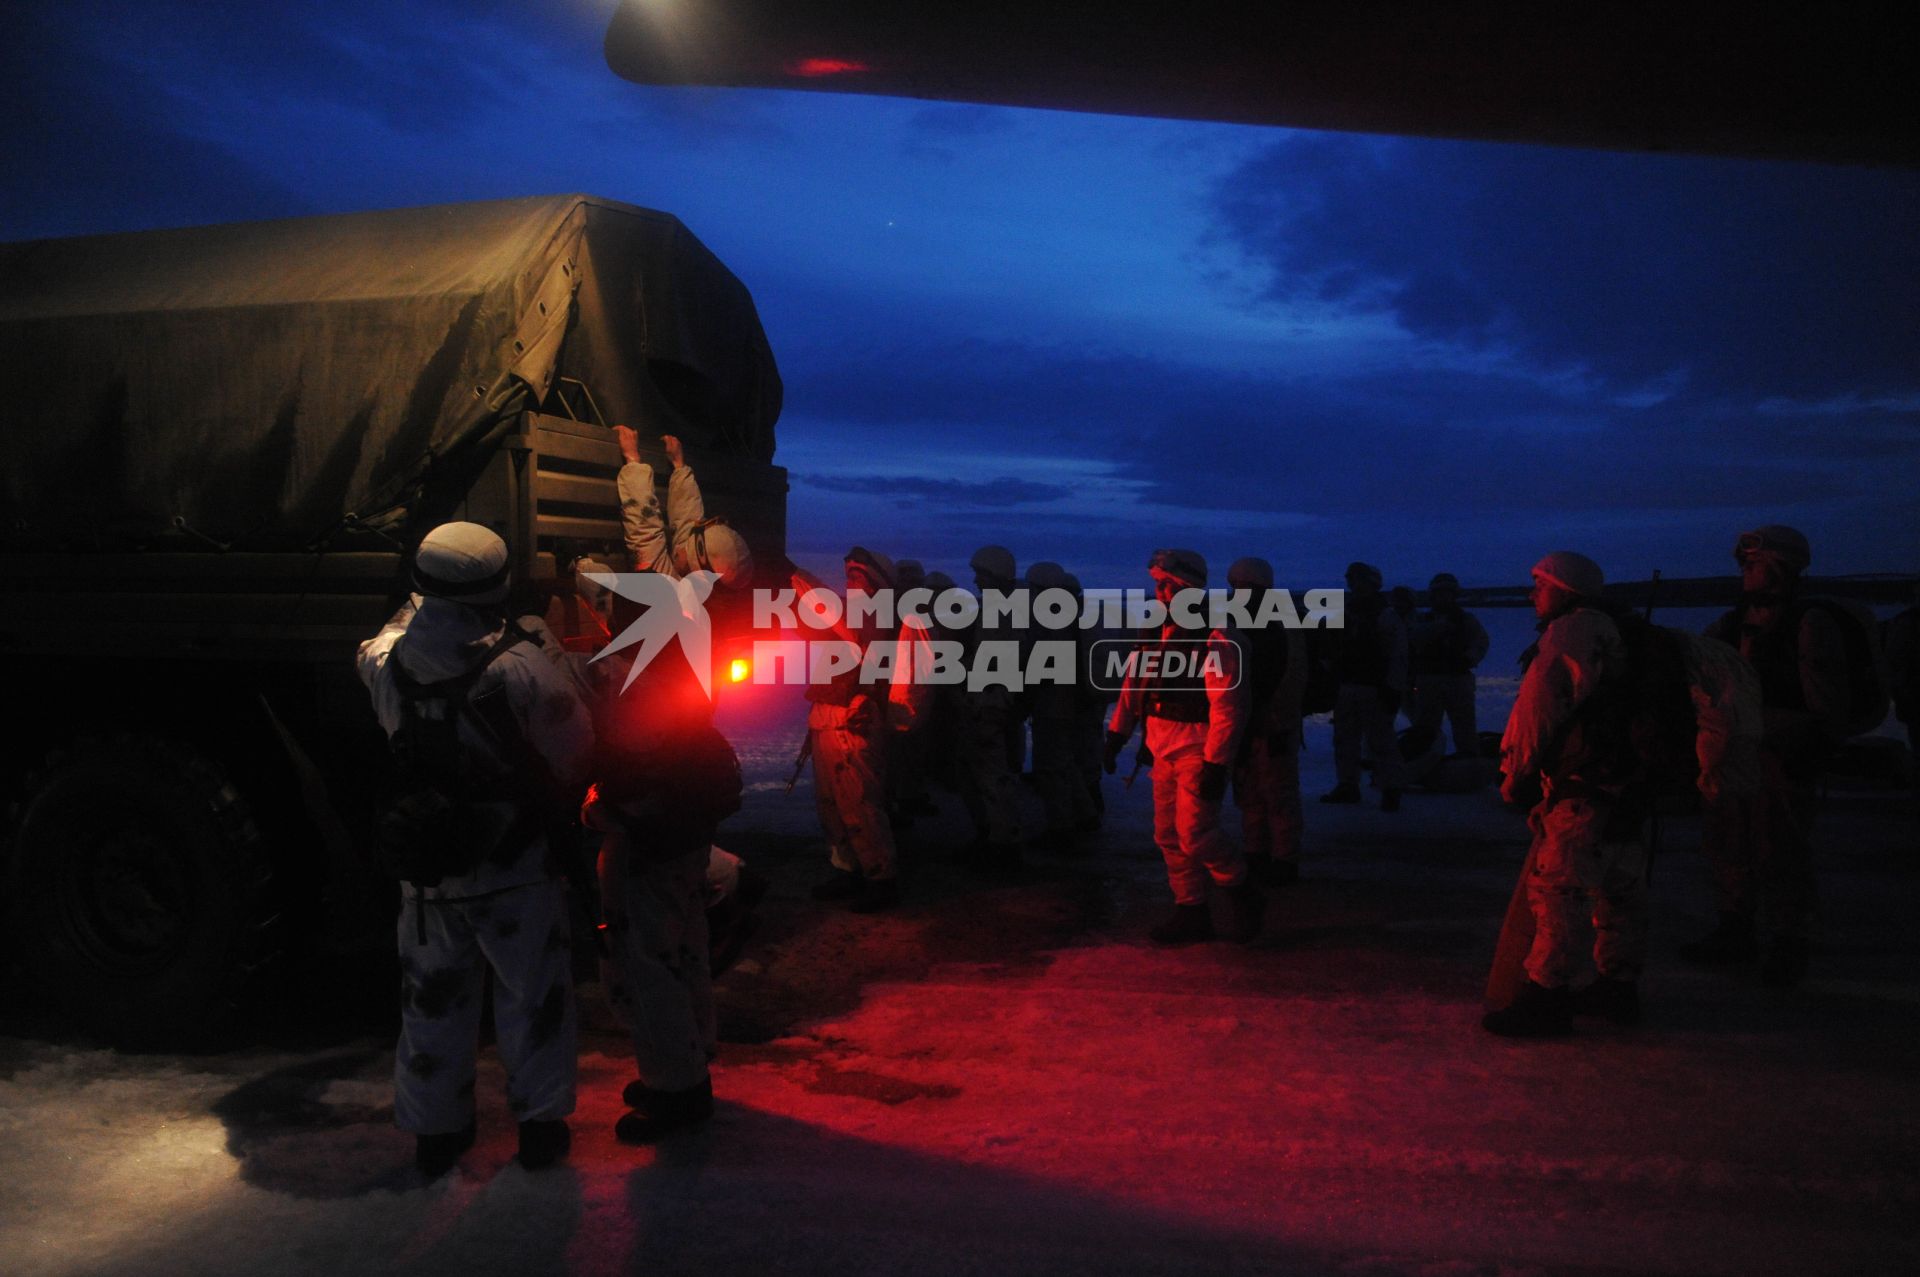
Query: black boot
column 1269, row 872
column 435, row 1155
column 876, row 895
column 542, row 1143
column 1730, row 942
column 1786, row 962
column 1249, row 907
column 1535, row 1012
column 1187, row 924
column 1609, row 999
column 1344, row 792
column 658, row 1113
column 842, row 886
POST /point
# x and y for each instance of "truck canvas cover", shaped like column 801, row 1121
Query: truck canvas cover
column 271, row 385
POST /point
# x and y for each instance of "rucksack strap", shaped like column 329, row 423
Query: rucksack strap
column 455, row 688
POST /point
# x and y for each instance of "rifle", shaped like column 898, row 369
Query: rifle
column 800, row 760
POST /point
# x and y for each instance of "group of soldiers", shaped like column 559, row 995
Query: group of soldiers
column 1754, row 710
column 1393, row 657
column 516, row 724
column 876, row 747
column 1771, row 685
column 1237, row 722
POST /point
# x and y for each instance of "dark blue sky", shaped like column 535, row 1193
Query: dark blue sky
column 1086, row 336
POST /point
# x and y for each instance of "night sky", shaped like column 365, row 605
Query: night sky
column 1087, row 336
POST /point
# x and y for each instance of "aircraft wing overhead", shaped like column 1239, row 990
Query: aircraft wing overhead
column 1835, row 82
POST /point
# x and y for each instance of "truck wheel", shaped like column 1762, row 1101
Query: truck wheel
column 140, row 890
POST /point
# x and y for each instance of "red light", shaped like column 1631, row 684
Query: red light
column 738, row 669
column 814, row 68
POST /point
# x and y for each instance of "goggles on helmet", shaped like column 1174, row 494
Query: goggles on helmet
column 1752, row 543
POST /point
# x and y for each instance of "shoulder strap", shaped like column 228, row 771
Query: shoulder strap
column 456, row 687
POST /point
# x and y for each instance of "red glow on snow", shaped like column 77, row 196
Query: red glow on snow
column 814, row 68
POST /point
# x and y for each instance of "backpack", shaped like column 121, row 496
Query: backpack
column 428, row 830
column 1868, row 698
column 656, row 745
column 1691, row 710
column 1682, row 715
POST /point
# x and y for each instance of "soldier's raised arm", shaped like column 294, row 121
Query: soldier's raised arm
column 641, row 520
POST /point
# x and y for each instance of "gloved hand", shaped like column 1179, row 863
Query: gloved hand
column 1390, row 700
column 1110, row 759
column 860, row 715
column 1213, row 782
column 1521, row 793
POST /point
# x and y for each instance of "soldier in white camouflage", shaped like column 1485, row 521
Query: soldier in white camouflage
column 1761, row 851
column 508, row 914
column 1266, row 778
column 1191, row 723
column 1563, row 754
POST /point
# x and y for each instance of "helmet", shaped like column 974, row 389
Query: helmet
column 464, row 562
column 1573, row 572
column 909, row 574
column 1364, row 572
column 874, row 561
column 1444, row 581
column 1046, row 575
column 1184, row 566
column 995, row 561
column 1250, row 574
column 1788, row 544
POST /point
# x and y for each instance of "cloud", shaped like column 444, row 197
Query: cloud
column 88, row 147
column 910, row 491
column 963, row 121
column 1756, row 279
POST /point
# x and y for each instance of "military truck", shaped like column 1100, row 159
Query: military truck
column 220, row 445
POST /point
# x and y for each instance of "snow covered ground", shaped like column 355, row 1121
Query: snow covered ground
column 1003, row 1077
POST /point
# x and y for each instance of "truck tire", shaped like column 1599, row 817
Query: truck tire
column 140, row 890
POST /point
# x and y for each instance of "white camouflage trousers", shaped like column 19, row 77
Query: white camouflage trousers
column 521, row 934
column 1358, row 715
column 1267, row 789
column 1450, row 696
column 656, row 972
column 1186, row 827
column 1580, row 878
column 849, row 787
